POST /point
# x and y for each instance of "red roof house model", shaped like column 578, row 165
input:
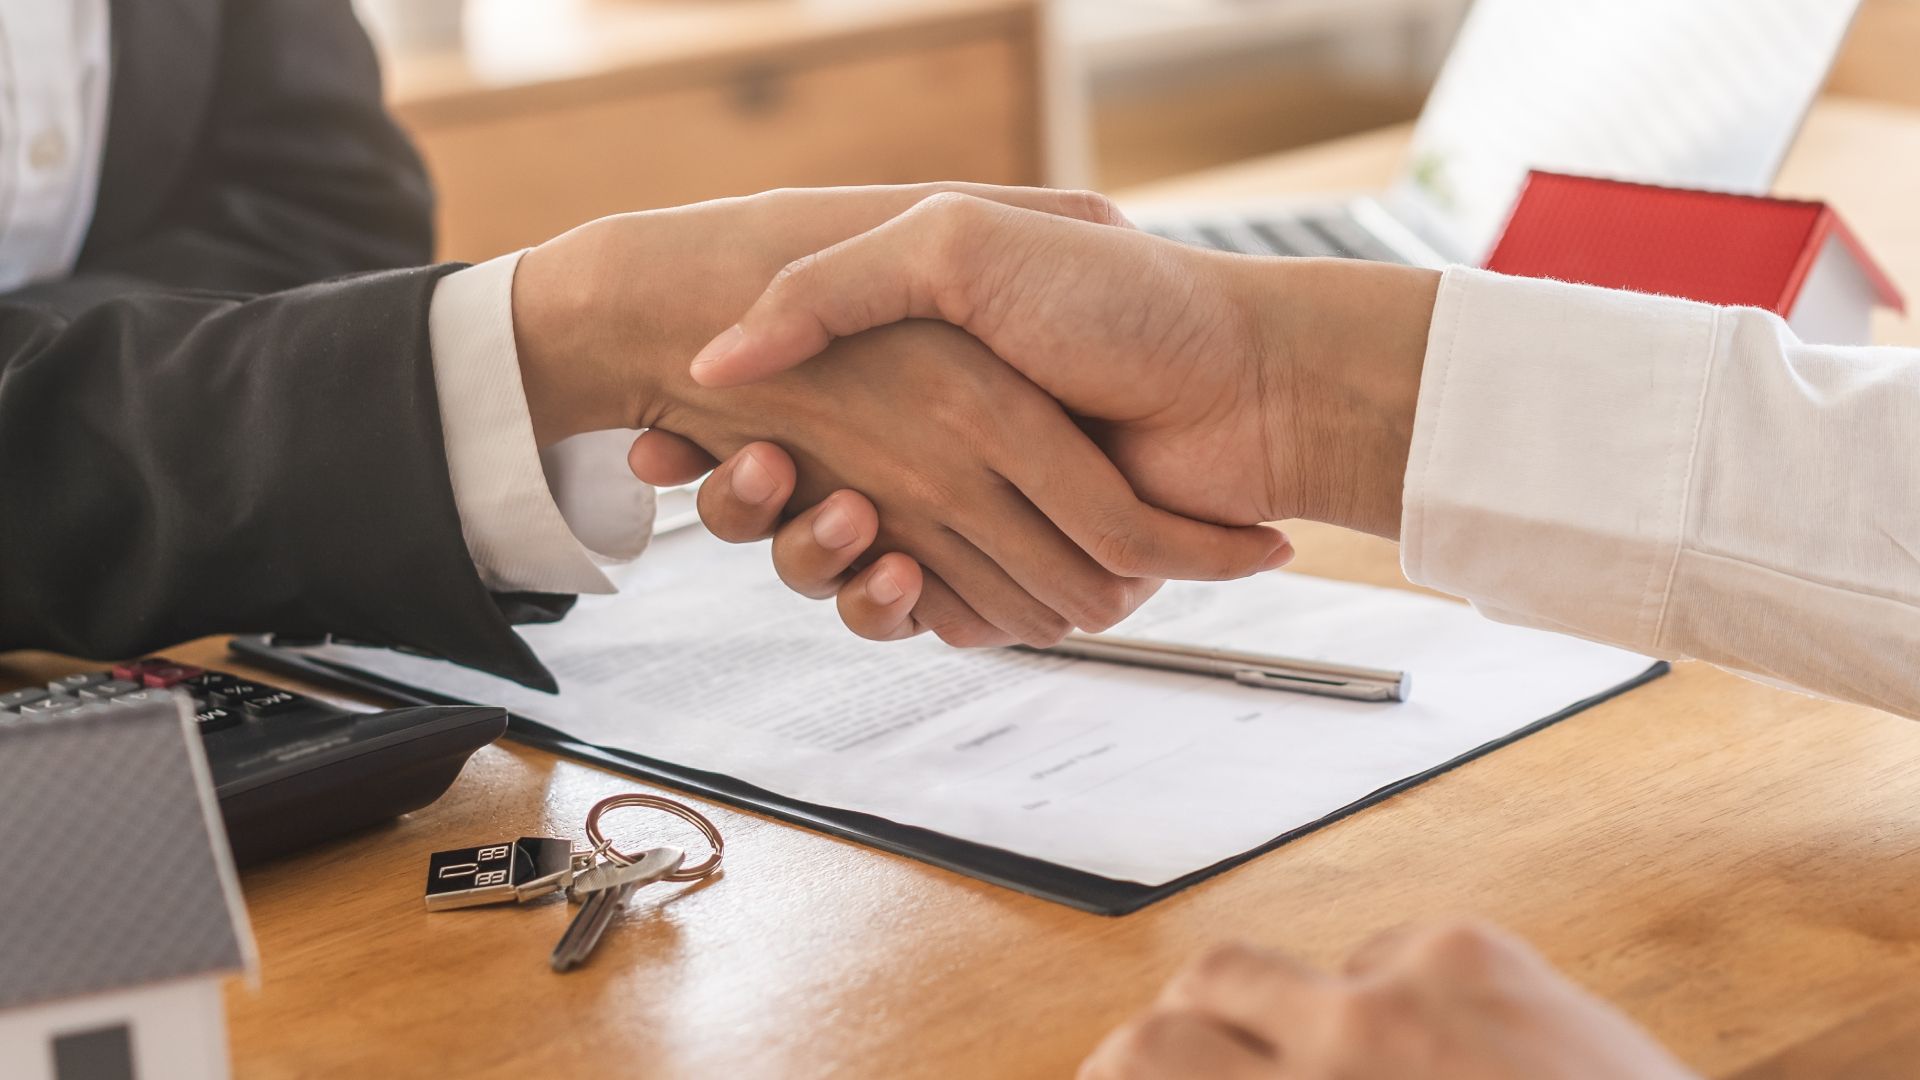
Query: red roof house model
column 1796, row 259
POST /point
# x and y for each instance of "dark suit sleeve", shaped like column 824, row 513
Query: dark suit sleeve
column 297, row 172
column 181, row 463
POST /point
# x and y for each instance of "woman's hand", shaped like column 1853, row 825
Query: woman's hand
column 1230, row 388
column 1456, row 1001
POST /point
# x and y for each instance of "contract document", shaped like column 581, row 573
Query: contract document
column 706, row 661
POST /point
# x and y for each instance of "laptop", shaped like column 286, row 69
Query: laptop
column 1688, row 93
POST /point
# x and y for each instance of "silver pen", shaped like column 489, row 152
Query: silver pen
column 1247, row 669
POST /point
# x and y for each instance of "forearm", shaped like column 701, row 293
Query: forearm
column 1673, row 478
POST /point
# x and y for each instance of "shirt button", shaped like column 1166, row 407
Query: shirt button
column 48, row 150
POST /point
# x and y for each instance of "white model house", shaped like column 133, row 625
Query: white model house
column 120, row 916
column 1796, row 259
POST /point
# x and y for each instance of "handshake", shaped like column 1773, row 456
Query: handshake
column 1000, row 413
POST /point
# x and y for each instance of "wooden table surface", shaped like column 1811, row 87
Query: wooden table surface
column 1736, row 866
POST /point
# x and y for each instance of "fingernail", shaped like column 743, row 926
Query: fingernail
column 752, row 482
column 721, row 347
column 1281, row 556
column 834, row 528
column 883, row 590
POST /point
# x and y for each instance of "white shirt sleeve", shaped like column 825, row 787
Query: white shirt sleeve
column 533, row 521
column 1673, row 478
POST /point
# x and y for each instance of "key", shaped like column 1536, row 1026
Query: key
column 143, row 697
column 612, row 884
column 517, row 870
column 161, row 678
column 51, row 704
column 271, row 703
column 104, row 691
column 132, row 670
column 13, row 701
column 215, row 718
column 73, row 684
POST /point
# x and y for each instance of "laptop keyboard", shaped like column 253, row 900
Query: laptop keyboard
column 1319, row 235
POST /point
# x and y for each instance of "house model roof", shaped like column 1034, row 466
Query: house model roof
column 116, row 868
column 1718, row 248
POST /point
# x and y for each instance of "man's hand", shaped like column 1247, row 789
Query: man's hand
column 1460, row 1001
column 1009, row 507
column 818, row 553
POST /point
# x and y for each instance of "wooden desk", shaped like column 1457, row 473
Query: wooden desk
column 1738, row 867
column 548, row 115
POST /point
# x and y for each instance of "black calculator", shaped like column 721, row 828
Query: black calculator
column 289, row 770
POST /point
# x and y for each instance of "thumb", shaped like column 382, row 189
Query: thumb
column 923, row 264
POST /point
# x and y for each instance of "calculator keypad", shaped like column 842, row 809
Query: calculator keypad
column 220, row 700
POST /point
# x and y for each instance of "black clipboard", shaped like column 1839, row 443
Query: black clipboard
column 1035, row 877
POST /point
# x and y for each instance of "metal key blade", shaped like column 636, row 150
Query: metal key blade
column 607, row 894
column 584, row 932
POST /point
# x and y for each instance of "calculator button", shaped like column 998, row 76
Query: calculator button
column 235, row 692
column 12, row 701
column 272, row 703
column 213, row 718
column 131, row 670
column 112, row 688
column 51, row 704
column 73, row 684
column 143, row 697
column 207, row 681
column 161, row 678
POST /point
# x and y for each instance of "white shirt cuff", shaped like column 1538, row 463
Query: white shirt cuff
column 1552, row 450
column 516, row 531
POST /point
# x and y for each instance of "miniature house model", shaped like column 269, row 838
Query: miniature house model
column 1796, row 259
column 120, row 916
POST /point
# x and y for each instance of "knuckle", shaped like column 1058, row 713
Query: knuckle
column 956, row 625
column 1460, row 949
column 1366, row 1015
column 1156, row 1036
column 964, row 633
column 793, row 277
column 1095, row 207
column 926, row 491
column 1047, row 631
column 1105, row 604
column 1035, row 626
column 1232, row 961
column 1123, row 550
column 955, row 222
column 949, row 204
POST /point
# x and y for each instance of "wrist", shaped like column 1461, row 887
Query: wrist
column 587, row 362
column 1341, row 345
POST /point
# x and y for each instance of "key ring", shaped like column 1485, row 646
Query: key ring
column 604, row 848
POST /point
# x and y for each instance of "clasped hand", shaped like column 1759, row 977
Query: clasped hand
column 1023, row 526
column 1224, row 389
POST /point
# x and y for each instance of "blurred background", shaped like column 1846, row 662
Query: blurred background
column 536, row 115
